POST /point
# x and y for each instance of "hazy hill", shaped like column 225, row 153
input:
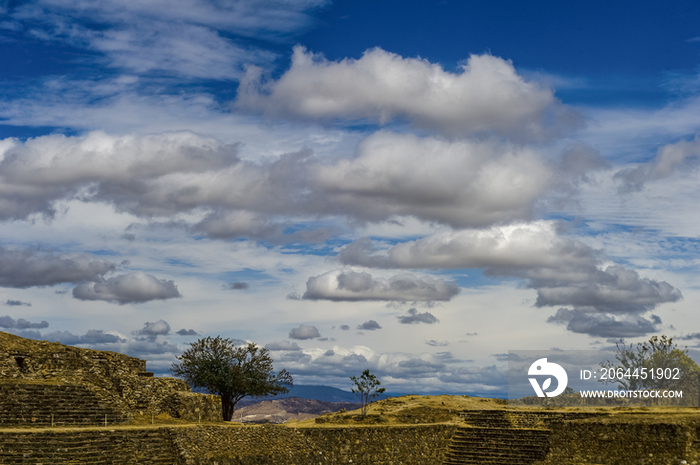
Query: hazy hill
column 322, row 393
column 290, row 408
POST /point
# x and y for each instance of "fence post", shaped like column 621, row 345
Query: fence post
column 105, row 419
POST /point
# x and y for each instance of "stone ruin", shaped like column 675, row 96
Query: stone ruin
column 48, row 383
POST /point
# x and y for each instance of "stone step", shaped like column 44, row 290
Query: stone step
column 481, row 458
column 501, row 433
column 65, row 407
column 525, row 445
column 63, row 420
column 514, row 458
column 509, row 445
column 506, row 450
column 524, row 448
column 460, row 461
column 486, row 459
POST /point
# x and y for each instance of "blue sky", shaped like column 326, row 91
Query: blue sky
column 410, row 187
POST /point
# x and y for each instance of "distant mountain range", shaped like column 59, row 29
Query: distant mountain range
column 289, row 408
column 331, row 394
column 322, row 393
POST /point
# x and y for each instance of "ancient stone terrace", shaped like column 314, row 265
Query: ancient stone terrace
column 44, row 384
column 45, row 404
column 89, row 447
column 47, row 383
column 501, row 437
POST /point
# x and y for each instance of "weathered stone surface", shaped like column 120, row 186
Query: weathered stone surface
column 55, row 404
column 273, row 444
column 622, row 443
column 417, row 445
column 36, row 378
column 571, row 442
column 89, row 446
column 546, row 437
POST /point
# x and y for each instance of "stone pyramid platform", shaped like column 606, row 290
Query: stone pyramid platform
column 504, row 437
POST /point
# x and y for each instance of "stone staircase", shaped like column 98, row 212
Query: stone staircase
column 497, row 437
column 26, row 403
column 497, row 446
column 89, row 447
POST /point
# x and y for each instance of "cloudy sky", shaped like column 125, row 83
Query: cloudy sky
column 411, row 187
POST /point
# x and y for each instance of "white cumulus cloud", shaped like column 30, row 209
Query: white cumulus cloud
column 134, row 287
column 304, row 332
column 462, row 183
column 36, row 267
column 486, row 95
column 563, row 271
column 670, row 158
column 348, row 285
column 157, row 328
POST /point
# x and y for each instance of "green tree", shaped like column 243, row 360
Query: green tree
column 657, row 353
column 366, row 388
column 231, row 372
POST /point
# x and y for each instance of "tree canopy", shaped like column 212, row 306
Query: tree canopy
column 657, row 353
column 366, row 388
column 231, row 372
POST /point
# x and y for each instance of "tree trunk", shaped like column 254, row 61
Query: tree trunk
column 227, row 407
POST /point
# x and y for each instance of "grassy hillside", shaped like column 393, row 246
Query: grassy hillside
column 411, row 409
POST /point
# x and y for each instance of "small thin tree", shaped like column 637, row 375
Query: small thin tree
column 658, row 353
column 366, row 388
column 663, row 356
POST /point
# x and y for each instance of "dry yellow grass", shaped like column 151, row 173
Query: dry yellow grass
column 412, row 409
column 408, row 410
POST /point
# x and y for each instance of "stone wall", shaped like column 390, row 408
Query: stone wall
column 228, row 444
column 272, row 444
column 623, row 443
column 194, row 407
column 575, row 442
column 55, row 404
column 89, row 446
column 417, row 445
